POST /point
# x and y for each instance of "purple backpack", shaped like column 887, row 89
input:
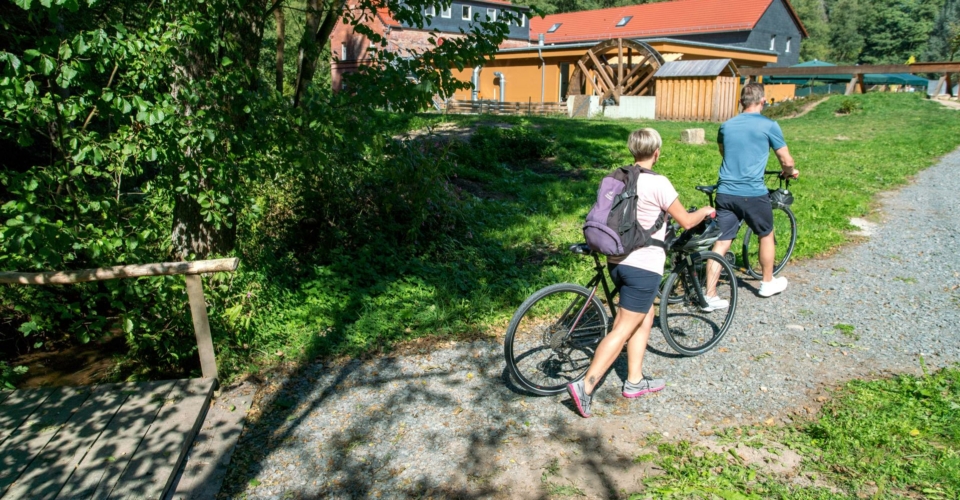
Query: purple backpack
column 612, row 227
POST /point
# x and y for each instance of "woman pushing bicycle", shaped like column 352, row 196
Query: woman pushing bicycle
column 638, row 276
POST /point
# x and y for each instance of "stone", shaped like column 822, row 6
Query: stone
column 693, row 136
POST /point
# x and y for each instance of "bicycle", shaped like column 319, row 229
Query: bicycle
column 784, row 229
column 551, row 337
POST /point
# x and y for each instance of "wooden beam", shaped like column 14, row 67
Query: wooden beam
column 935, row 67
column 201, row 325
column 593, row 81
column 863, row 86
column 851, row 85
column 600, row 69
column 117, row 272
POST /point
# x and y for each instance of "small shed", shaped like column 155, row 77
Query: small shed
column 697, row 90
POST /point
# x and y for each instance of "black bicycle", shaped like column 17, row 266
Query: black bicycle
column 552, row 336
column 784, row 229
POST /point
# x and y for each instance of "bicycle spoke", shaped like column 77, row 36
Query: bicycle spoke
column 686, row 326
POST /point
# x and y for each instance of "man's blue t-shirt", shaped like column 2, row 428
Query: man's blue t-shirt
column 746, row 140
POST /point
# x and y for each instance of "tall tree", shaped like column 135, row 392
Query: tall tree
column 895, row 30
column 813, row 15
column 945, row 35
column 846, row 41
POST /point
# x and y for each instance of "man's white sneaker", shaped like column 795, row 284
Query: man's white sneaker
column 714, row 303
column 777, row 285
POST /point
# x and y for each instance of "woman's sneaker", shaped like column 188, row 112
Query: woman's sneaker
column 580, row 398
column 772, row 287
column 645, row 385
column 714, row 303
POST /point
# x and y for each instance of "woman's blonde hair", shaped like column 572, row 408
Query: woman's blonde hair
column 643, row 143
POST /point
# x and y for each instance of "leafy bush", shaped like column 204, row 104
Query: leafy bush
column 849, row 105
column 10, row 374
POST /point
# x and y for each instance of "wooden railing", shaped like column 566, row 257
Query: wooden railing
column 507, row 108
column 191, row 272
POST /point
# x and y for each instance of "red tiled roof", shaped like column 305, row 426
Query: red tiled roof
column 384, row 14
column 655, row 19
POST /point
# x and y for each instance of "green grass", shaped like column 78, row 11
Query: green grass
column 891, row 438
column 524, row 195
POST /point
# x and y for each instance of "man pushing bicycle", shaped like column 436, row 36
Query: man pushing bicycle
column 745, row 142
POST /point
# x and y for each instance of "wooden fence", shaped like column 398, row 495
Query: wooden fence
column 506, row 108
column 697, row 99
column 191, row 272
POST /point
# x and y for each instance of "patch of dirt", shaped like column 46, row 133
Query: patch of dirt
column 477, row 189
column 809, row 107
column 952, row 104
column 86, row 364
column 450, row 130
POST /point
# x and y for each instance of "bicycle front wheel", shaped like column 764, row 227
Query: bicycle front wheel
column 552, row 336
column 784, row 237
column 687, row 326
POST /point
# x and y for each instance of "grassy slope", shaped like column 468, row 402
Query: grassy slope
column 893, row 438
column 523, row 215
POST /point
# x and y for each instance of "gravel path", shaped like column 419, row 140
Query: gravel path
column 445, row 421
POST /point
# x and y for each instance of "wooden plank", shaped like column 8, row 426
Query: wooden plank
column 201, row 326
column 108, row 456
column 156, row 461
column 206, row 464
column 17, row 407
column 22, row 447
column 851, row 85
column 600, row 70
column 593, row 83
column 863, row 85
column 109, row 273
column 932, row 67
column 53, row 466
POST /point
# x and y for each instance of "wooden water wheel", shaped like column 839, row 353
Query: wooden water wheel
column 616, row 68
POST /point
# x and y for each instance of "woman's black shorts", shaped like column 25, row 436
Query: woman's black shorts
column 638, row 287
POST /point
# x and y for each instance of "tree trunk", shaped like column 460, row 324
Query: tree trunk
column 191, row 235
column 281, row 33
column 319, row 25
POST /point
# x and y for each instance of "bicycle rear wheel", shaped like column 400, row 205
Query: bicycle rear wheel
column 688, row 329
column 784, row 237
column 543, row 355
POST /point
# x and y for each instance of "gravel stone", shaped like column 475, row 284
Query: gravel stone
column 449, row 422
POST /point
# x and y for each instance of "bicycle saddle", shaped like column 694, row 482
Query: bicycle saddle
column 707, row 189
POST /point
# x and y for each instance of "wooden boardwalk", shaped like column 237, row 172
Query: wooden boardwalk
column 104, row 441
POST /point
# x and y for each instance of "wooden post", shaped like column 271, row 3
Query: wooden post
column 201, row 325
column 863, row 86
column 851, row 85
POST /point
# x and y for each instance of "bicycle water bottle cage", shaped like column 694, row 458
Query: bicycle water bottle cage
column 781, row 198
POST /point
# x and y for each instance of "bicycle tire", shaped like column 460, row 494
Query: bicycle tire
column 540, row 356
column 686, row 328
column 783, row 218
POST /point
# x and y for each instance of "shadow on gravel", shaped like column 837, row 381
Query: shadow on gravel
column 387, row 427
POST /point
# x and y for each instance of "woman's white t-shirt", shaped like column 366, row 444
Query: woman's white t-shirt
column 655, row 193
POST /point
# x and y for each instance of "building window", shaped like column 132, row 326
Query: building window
column 430, row 11
column 466, row 13
column 788, row 44
column 623, row 22
column 491, row 14
column 343, row 52
column 523, row 20
column 555, row 27
column 446, row 12
column 773, row 42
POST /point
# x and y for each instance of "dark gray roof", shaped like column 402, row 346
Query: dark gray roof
column 703, row 67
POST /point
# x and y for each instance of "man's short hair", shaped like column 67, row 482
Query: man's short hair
column 643, row 143
column 751, row 94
